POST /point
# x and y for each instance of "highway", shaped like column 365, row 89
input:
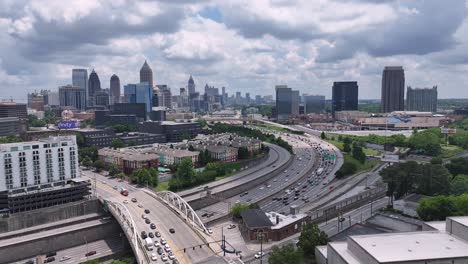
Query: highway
column 308, row 152
column 160, row 215
column 277, row 157
column 76, row 255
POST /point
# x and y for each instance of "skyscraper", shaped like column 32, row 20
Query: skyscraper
column 421, row 99
column 94, row 86
column 165, row 96
column 72, row 96
column 114, row 89
column 80, row 79
column 191, row 86
column 139, row 93
column 344, row 96
column 287, row 102
column 393, row 89
column 146, row 74
column 314, row 103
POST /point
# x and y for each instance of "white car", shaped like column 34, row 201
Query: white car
column 171, row 256
column 167, row 248
column 143, row 216
column 164, row 257
column 156, row 243
column 209, row 231
column 154, row 257
column 125, row 202
column 163, row 241
column 64, row 258
column 140, row 205
column 259, row 254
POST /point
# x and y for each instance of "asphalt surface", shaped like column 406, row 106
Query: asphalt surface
column 307, row 160
column 160, row 215
column 77, row 254
column 277, row 157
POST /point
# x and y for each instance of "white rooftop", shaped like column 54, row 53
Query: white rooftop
column 284, row 220
column 342, row 249
column 412, row 246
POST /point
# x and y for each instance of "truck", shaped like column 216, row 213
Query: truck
column 149, row 243
column 123, row 191
column 319, row 171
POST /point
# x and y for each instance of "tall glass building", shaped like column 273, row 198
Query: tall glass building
column 80, row 79
column 139, row 93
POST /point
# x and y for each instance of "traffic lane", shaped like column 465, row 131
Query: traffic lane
column 164, row 218
column 77, row 254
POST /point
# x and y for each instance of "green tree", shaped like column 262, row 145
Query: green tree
column 323, row 136
column 311, row 236
column 99, row 165
column 94, row 261
column 113, row 170
column 184, row 176
column 121, row 175
column 459, row 185
column 87, row 162
column 117, row 143
column 348, row 168
column 358, row 153
column 435, row 208
column 437, row 160
column 238, row 208
column 285, row 254
column 426, row 142
column 154, row 174
column 346, row 144
column 458, row 166
column 433, row 179
column 242, row 153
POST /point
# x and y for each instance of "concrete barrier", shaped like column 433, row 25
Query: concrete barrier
column 47, row 215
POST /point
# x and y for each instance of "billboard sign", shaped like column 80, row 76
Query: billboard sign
column 445, row 130
column 390, row 158
column 69, row 124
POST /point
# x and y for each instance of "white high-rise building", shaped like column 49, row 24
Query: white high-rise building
column 41, row 163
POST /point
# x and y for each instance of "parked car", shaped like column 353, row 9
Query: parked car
column 154, row 257
column 144, row 235
column 49, row 259
column 259, row 254
column 164, row 257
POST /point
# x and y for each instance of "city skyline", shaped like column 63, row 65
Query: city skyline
column 247, row 55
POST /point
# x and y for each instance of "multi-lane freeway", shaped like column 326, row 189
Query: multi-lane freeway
column 160, row 215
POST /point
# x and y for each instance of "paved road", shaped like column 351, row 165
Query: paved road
column 163, row 217
column 277, row 157
column 77, row 254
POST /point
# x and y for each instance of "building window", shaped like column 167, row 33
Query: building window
column 8, row 171
column 49, row 166
column 73, row 162
column 36, row 167
column 61, row 164
column 23, row 169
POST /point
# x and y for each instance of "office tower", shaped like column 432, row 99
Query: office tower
column 247, row 98
column 258, row 99
column 103, row 97
column 164, row 96
column 314, row 103
column 114, row 89
column 12, row 109
column 191, row 86
column 94, row 86
column 139, row 93
column 146, row 74
column 36, row 101
column 287, row 102
column 223, row 91
column 421, row 99
column 72, row 96
column 295, row 101
column 53, row 99
column 80, row 79
column 393, row 89
column 344, row 96
column 211, row 91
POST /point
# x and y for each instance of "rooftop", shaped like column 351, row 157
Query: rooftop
column 255, row 218
column 283, row 219
column 412, row 246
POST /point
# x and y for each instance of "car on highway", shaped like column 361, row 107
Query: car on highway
column 49, row 259
column 156, row 243
column 172, row 230
column 144, row 216
column 210, row 231
column 64, row 258
column 134, row 200
column 244, row 194
column 164, row 257
column 171, row 256
column 154, row 257
column 90, row 253
column 259, row 254
column 167, row 248
column 125, row 202
column 231, row 226
column 150, row 234
column 153, row 226
column 163, row 241
column 160, row 250
column 147, row 211
column 143, row 235
column 157, row 234
column 147, row 221
column 140, row 205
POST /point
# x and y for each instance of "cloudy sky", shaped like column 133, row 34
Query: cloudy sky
column 245, row 45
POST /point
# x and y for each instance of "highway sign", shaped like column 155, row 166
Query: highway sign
column 390, row 158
